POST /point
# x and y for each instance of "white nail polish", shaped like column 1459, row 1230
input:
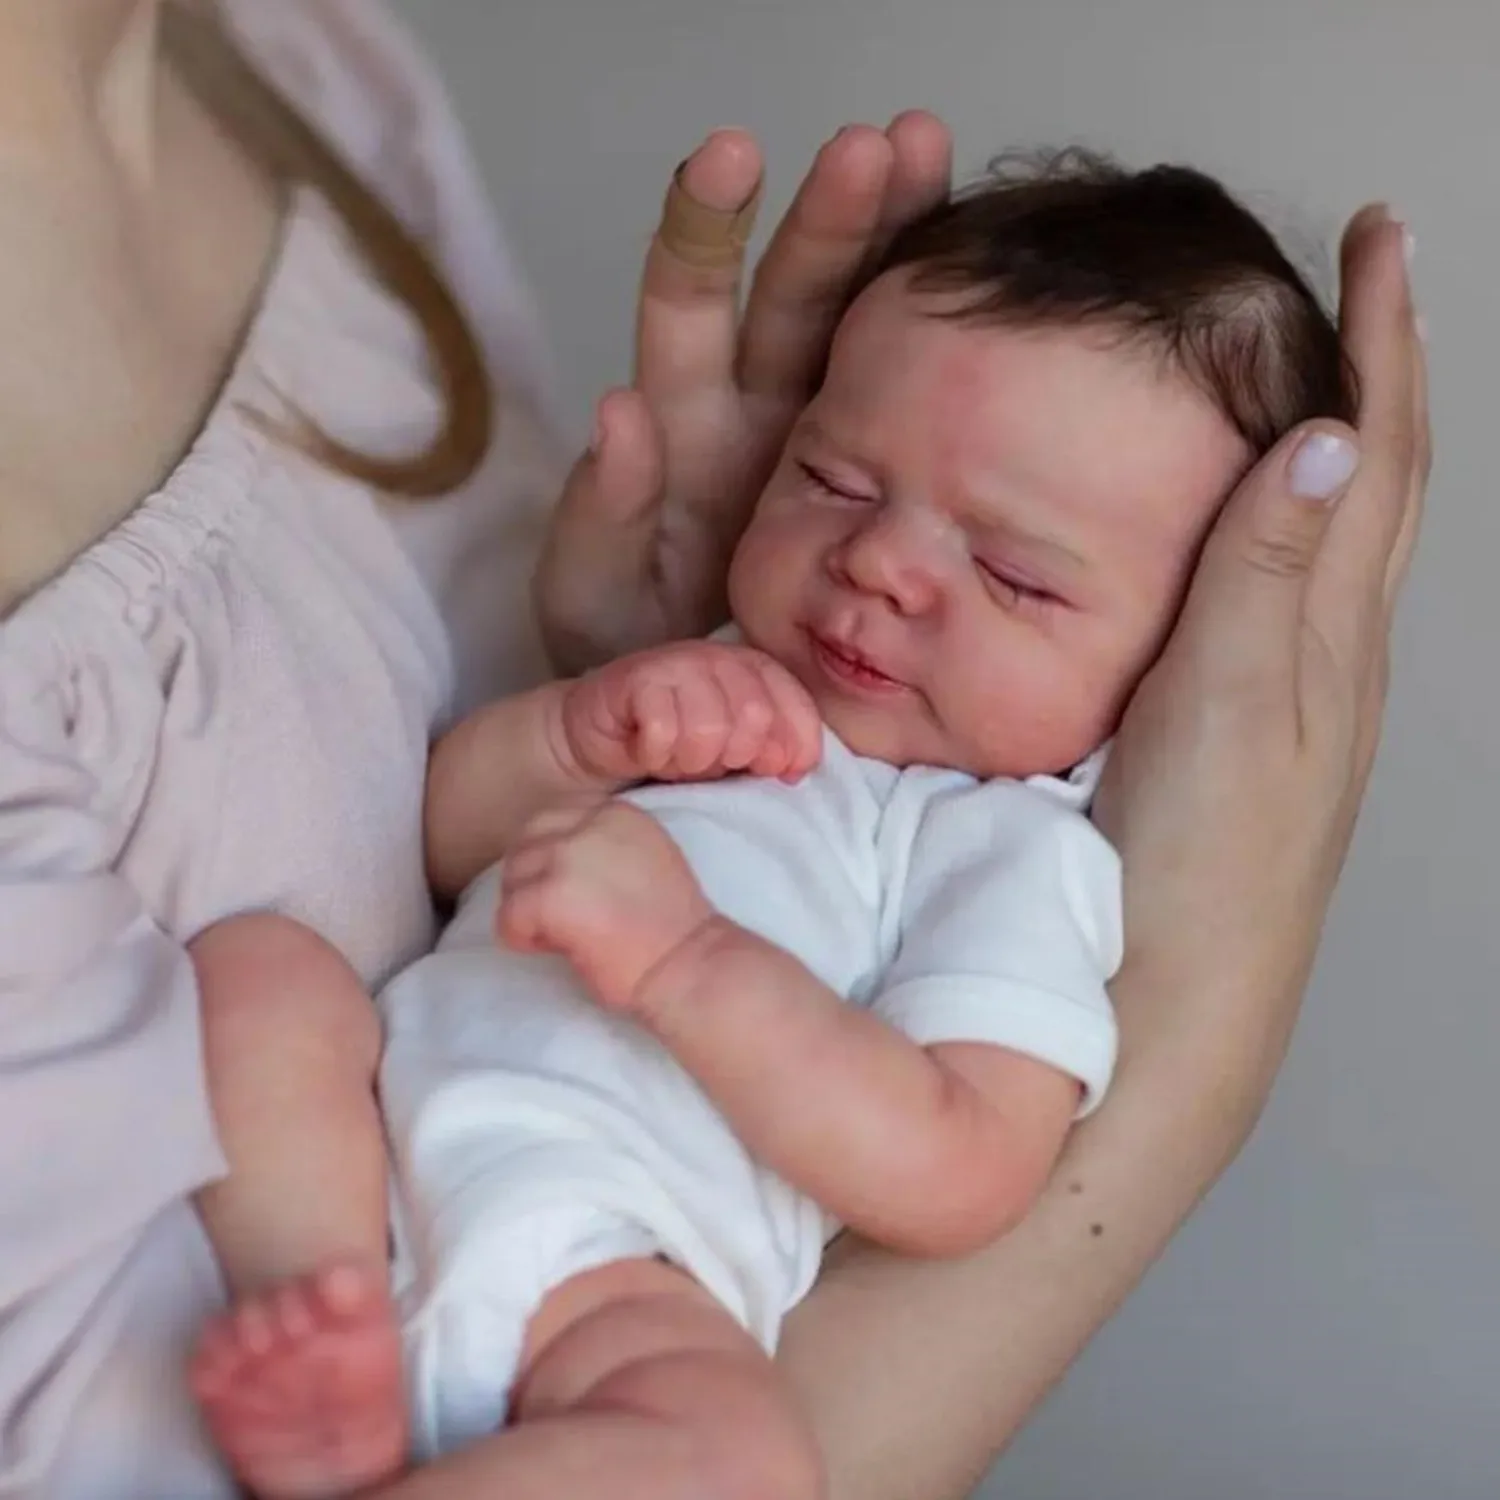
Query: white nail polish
column 1322, row 466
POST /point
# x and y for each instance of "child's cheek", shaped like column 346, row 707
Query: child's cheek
column 783, row 532
column 756, row 573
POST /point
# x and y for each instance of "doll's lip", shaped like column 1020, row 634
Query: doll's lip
column 852, row 669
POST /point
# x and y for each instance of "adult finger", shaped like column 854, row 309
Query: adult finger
column 1244, row 611
column 803, row 278
column 1376, row 319
column 688, row 318
column 1379, row 335
column 1411, row 520
column 921, row 168
column 602, row 537
column 1347, row 592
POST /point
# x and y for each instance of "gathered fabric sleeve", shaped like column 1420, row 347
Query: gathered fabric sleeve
column 104, row 1115
column 1010, row 931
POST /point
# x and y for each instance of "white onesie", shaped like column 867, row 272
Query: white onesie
column 535, row 1135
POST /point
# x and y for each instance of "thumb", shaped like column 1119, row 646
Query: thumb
column 1244, row 608
column 619, row 478
column 599, row 548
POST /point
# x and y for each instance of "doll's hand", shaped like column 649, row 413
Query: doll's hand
column 603, row 886
column 691, row 711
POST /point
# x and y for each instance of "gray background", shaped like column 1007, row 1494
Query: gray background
column 1329, row 1325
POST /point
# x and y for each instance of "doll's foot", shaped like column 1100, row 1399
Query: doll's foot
column 301, row 1388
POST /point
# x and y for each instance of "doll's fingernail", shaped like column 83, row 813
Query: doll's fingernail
column 1323, row 465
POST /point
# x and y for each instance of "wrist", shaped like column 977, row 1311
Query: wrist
column 1209, row 1038
column 573, row 767
column 668, row 990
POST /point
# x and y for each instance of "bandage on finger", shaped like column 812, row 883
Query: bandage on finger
column 701, row 236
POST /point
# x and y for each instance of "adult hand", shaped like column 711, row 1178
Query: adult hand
column 639, row 547
column 1241, row 764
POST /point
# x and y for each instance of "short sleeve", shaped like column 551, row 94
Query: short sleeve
column 104, row 1118
column 1010, row 931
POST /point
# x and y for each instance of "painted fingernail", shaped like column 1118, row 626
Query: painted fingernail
column 1322, row 466
column 1408, row 245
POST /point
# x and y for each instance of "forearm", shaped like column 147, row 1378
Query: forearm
column 842, row 1105
column 491, row 773
column 918, row 1375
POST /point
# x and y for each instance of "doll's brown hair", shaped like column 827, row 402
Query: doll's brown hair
column 1164, row 257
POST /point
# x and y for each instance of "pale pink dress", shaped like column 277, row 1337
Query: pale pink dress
column 225, row 704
